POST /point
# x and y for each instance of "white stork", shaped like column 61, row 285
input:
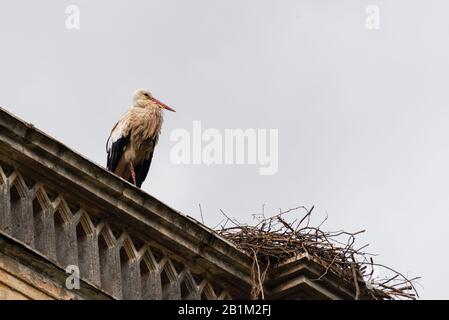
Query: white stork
column 133, row 139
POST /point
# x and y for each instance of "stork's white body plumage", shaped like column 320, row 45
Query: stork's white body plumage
column 132, row 141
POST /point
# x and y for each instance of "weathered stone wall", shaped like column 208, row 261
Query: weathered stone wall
column 108, row 258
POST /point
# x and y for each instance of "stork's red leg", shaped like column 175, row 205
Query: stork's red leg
column 133, row 173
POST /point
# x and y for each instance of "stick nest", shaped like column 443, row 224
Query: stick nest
column 274, row 239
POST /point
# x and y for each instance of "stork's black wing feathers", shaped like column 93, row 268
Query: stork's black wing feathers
column 142, row 170
column 115, row 153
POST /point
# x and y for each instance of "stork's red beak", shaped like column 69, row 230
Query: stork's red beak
column 163, row 105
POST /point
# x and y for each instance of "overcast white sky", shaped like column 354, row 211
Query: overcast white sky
column 362, row 114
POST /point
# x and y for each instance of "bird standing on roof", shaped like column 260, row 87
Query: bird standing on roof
column 133, row 139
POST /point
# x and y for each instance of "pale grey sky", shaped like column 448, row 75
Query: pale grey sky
column 362, row 114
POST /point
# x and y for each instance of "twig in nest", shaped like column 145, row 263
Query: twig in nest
column 201, row 213
column 355, row 278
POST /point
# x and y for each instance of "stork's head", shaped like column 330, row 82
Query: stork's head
column 142, row 95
